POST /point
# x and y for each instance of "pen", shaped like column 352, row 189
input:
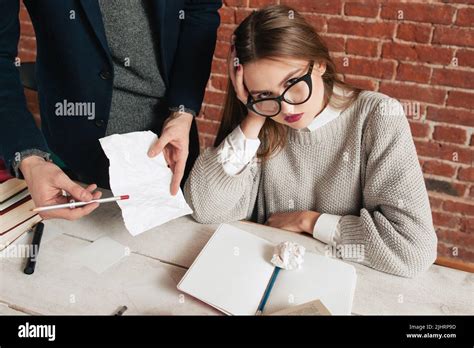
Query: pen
column 267, row 291
column 121, row 310
column 80, row 204
column 30, row 266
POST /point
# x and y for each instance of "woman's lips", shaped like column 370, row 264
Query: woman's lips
column 293, row 118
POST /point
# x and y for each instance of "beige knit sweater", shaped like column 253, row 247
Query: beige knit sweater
column 362, row 165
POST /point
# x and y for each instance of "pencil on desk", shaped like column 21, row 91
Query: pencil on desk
column 80, row 204
column 267, row 291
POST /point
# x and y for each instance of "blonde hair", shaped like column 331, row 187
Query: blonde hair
column 276, row 32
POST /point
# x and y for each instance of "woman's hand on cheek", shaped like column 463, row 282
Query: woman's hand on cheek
column 294, row 221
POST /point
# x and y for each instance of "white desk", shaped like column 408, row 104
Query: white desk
column 145, row 281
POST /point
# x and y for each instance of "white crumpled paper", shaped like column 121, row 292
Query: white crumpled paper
column 288, row 255
column 146, row 180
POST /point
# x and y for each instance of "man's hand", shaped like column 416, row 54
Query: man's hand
column 295, row 221
column 174, row 142
column 46, row 182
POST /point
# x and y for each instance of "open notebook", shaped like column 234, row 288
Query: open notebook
column 233, row 270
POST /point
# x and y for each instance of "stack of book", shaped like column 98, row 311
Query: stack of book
column 16, row 216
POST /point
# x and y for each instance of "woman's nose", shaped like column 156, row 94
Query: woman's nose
column 287, row 108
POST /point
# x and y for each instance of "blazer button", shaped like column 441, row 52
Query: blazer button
column 105, row 75
column 99, row 123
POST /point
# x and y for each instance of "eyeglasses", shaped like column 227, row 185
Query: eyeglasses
column 295, row 94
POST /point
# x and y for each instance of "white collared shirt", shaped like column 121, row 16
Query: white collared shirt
column 236, row 152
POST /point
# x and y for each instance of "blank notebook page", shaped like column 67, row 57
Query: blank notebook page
column 232, row 271
column 332, row 281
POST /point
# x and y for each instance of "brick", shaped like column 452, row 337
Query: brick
column 434, row 55
column 445, row 219
column 413, row 92
column 227, row 15
column 462, row 255
column 207, row 141
column 222, row 49
column 413, row 72
column 219, row 66
column 459, row 207
column 466, row 174
column 360, row 9
column 467, row 225
column 419, row 130
column 435, row 203
column 456, row 237
column 26, row 29
column 207, row 127
column 219, row 82
column 363, row 29
column 262, row 3
column 448, row 115
column 414, row 32
column 450, row 134
column 447, row 152
column 236, row 3
column 445, row 187
column 453, row 77
column 417, row 53
column 224, row 32
column 453, row 36
column 241, row 14
column 439, row 168
column 460, row 99
column 318, row 22
column 333, row 43
column 214, row 98
column 465, row 17
column 428, row 13
column 364, row 83
column 465, row 57
column 28, row 43
column 366, row 67
column 362, row 47
column 320, row 6
column 211, row 112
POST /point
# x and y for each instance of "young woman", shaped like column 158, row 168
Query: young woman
column 303, row 151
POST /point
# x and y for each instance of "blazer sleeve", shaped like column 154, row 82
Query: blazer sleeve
column 18, row 130
column 192, row 64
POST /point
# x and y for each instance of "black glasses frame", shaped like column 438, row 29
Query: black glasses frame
column 306, row 78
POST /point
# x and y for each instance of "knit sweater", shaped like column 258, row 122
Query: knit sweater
column 138, row 87
column 362, row 165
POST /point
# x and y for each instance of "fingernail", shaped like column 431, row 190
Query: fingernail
column 151, row 153
column 239, row 67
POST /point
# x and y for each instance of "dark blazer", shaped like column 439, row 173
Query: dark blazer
column 74, row 64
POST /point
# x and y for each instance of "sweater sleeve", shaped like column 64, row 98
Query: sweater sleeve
column 395, row 228
column 217, row 197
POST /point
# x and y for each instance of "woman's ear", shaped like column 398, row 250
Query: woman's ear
column 321, row 68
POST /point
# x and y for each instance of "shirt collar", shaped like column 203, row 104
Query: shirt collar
column 327, row 115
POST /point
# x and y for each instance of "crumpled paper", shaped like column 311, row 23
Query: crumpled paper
column 146, row 180
column 288, row 255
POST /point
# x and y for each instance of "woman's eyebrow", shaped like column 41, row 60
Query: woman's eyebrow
column 287, row 77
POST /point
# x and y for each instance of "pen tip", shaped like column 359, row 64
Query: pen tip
column 125, row 197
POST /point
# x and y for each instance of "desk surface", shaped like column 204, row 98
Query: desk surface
column 145, row 280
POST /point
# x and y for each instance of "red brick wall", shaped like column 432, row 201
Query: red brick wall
column 418, row 52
